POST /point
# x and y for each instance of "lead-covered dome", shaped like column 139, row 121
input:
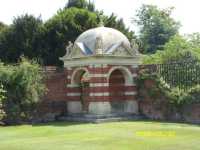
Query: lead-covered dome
column 102, row 41
column 103, row 38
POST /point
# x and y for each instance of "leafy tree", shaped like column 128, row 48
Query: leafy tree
column 30, row 37
column 174, row 49
column 22, row 37
column 65, row 26
column 194, row 40
column 113, row 22
column 2, row 26
column 156, row 27
column 109, row 21
column 83, row 4
column 68, row 24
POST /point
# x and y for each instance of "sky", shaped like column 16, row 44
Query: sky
column 186, row 11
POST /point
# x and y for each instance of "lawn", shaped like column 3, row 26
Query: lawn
column 139, row 135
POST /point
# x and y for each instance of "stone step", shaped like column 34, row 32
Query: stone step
column 99, row 118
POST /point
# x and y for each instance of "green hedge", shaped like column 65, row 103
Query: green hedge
column 24, row 87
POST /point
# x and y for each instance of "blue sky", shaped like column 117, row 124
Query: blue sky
column 186, row 11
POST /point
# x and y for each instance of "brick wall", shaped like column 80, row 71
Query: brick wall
column 158, row 107
column 56, row 84
column 99, row 83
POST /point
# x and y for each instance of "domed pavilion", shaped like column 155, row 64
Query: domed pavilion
column 101, row 68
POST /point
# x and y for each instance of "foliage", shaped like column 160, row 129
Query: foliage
column 179, row 69
column 29, row 36
column 24, row 87
column 156, row 27
column 2, row 93
column 65, row 26
column 194, row 41
column 179, row 97
column 158, row 87
column 2, row 97
column 109, row 21
column 174, row 49
column 2, row 26
column 176, row 97
column 22, row 37
column 83, row 4
column 113, row 22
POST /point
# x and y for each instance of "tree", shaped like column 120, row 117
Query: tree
column 109, row 21
column 22, row 37
column 194, row 40
column 29, row 36
column 174, row 49
column 65, row 26
column 2, row 26
column 156, row 27
column 83, row 4
column 113, row 22
column 68, row 24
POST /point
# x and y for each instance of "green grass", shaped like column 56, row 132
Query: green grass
column 106, row 136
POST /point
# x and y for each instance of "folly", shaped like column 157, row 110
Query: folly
column 101, row 67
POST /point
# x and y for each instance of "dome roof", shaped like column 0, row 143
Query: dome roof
column 103, row 38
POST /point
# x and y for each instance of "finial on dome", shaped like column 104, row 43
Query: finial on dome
column 98, row 45
column 101, row 23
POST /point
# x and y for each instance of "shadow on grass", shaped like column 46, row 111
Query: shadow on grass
column 60, row 124
column 148, row 121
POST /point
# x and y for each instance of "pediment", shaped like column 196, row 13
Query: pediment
column 77, row 52
column 119, row 49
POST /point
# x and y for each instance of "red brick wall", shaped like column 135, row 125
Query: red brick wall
column 56, row 84
column 57, row 81
column 117, row 81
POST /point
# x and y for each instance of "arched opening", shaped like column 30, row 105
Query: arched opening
column 117, row 90
column 126, row 74
column 80, row 78
column 78, row 75
column 116, row 85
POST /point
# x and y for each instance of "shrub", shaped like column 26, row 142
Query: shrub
column 174, row 96
column 2, row 97
column 24, row 86
column 159, row 87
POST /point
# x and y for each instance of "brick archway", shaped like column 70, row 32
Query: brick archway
column 78, row 74
column 119, row 78
column 82, row 86
column 126, row 73
column 116, row 85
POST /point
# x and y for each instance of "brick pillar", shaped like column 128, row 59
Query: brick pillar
column 98, row 83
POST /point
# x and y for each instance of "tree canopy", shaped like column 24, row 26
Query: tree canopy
column 113, row 22
column 22, row 37
column 65, row 26
column 81, row 4
column 29, row 36
column 175, row 49
column 156, row 27
column 2, row 26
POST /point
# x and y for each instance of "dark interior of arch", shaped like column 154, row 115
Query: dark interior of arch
column 117, row 91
